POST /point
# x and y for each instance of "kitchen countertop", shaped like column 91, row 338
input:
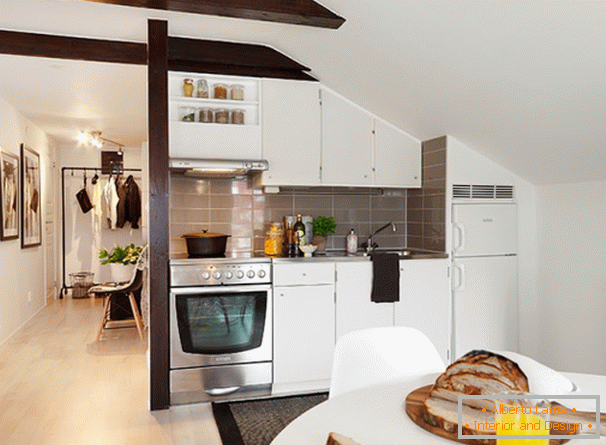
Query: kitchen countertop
column 341, row 256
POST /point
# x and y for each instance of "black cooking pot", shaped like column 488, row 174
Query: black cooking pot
column 205, row 244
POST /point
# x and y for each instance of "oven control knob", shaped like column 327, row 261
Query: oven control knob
column 261, row 274
column 229, row 275
column 250, row 274
column 206, row 275
column 217, row 275
column 240, row 274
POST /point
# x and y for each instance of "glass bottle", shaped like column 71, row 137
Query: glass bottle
column 352, row 243
column 300, row 234
column 290, row 241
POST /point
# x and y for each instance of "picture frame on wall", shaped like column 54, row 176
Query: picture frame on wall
column 9, row 196
column 31, row 218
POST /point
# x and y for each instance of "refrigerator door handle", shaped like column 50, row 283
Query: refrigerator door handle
column 461, row 277
column 458, row 227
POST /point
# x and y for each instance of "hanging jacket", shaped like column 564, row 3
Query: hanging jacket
column 129, row 206
column 133, row 197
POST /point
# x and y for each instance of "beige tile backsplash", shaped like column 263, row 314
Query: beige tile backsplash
column 231, row 206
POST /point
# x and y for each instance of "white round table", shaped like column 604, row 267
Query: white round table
column 377, row 415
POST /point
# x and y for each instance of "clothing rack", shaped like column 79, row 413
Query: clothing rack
column 97, row 170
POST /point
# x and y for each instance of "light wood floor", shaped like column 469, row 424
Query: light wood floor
column 59, row 386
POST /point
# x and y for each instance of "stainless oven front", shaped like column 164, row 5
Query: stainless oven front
column 221, row 342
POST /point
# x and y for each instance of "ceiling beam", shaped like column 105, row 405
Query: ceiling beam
column 297, row 12
column 239, row 59
column 72, row 48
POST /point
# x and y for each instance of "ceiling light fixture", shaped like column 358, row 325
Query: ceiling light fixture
column 94, row 139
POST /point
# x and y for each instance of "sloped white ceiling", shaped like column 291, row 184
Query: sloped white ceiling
column 523, row 83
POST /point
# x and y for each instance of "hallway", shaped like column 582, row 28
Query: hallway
column 59, row 386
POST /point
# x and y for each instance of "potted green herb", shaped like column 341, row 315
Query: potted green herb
column 118, row 258
column 322, row 227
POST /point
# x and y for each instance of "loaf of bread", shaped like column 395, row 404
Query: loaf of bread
column 476, row 373
column 339, row 439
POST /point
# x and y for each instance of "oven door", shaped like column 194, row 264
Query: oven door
column 220, row 325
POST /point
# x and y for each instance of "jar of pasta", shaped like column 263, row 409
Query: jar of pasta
column 274, row 240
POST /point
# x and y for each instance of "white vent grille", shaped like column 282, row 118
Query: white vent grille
column 482, row 191
column 461, row 191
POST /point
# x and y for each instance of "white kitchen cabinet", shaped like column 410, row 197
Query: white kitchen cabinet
column 425, row 302
column 346, row 142
column 291, row 132
column 304, row 326
column 397, row 157
column 195, row 139
column 354, row 310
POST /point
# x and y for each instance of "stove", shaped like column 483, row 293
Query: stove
column 227, row 271
column 221, row 328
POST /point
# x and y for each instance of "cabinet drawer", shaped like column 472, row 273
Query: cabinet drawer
column 297, row 274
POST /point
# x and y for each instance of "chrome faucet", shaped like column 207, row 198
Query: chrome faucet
column 369, row 245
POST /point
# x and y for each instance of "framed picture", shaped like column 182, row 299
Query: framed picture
column 31, row 219
column 9, row 196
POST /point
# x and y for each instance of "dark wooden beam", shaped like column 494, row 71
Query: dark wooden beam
column 230, row 53
column 238, row 59
column 298, row 12
column 73, row 48
column 235, row 70
column 157, row 102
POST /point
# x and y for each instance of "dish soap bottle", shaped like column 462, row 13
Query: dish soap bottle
column 352, row 243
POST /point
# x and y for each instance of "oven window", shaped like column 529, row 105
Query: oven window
column 221, row 323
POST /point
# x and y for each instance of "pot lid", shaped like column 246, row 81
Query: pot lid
column 203, row 235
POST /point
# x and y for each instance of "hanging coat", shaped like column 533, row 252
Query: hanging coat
column 133, row 197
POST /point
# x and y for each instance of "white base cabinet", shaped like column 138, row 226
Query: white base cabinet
column 304, row 327
column 354, row 310
column 425, row 302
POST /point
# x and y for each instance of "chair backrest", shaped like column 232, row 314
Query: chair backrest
column 378, row 355
column 136, row 282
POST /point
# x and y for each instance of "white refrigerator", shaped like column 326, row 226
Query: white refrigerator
column 484, row 277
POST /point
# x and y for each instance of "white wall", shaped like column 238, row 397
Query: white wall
column 84, row 237
column 466, row 166
column 572, row 276
column 22, row 271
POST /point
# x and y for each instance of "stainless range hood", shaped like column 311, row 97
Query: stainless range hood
column 216, row 167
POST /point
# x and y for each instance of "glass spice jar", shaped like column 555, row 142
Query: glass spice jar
column 236, row 92
column 222, row 116
column 187, row 114
column 188, row 87
column 202, row 89
column 205, row 115
column 220, row 91
column 237, row 117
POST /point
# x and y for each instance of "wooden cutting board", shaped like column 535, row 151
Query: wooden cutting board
column 415, row 408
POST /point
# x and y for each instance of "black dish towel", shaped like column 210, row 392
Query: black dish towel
column 385, row 277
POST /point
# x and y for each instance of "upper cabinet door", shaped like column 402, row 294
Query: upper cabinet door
column 346, row 142
column 291, row 132
column 397, row 157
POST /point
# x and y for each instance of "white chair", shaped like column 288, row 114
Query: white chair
column 378, row 355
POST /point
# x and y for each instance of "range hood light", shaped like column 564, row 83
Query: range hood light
column 216, row 167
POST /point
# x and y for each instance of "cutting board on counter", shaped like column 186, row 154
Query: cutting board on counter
column 415, row 408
